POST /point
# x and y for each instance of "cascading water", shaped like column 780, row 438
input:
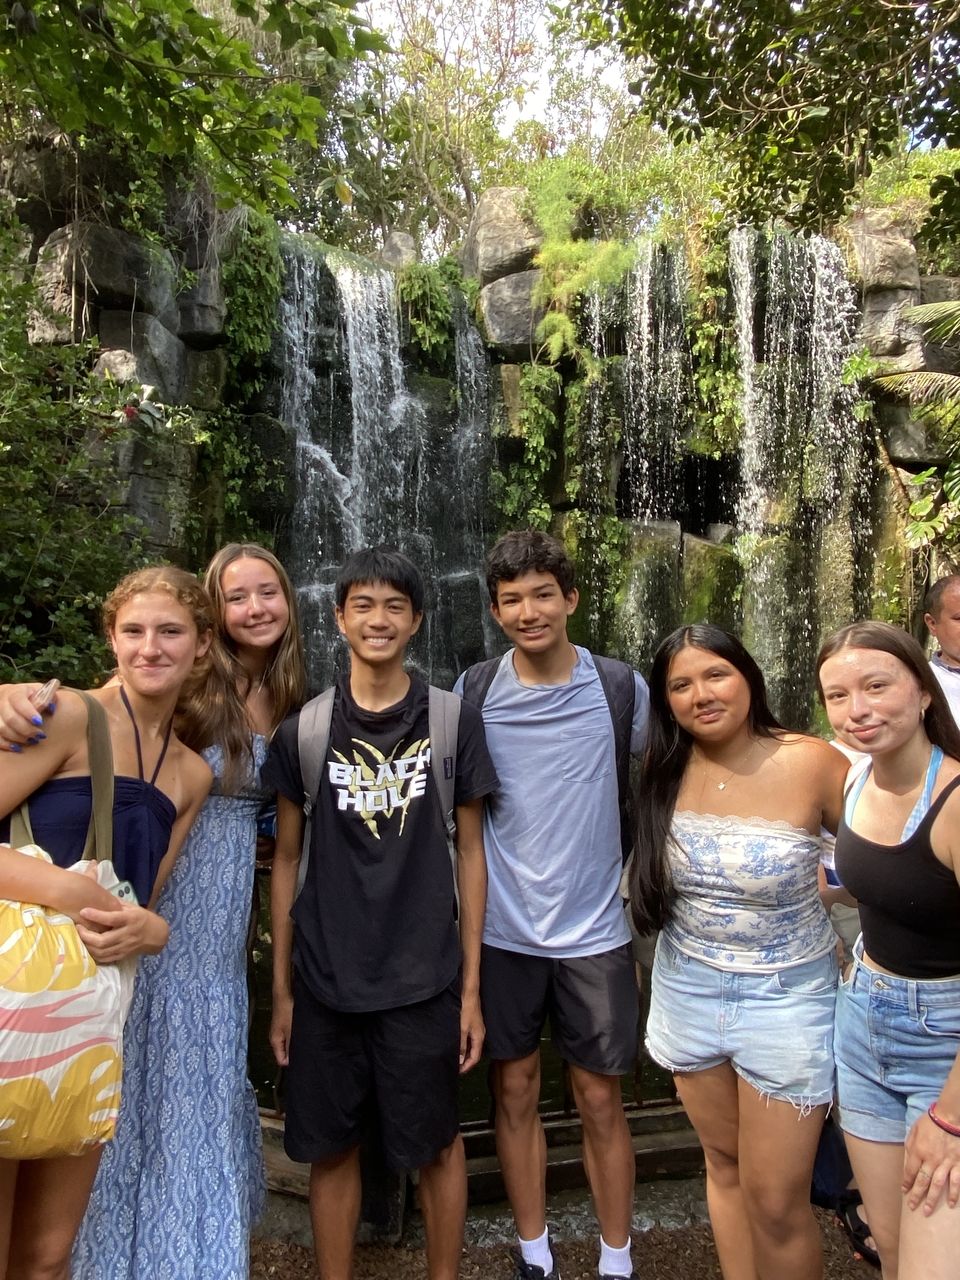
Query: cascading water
column 799, row 513
column 656, row 382
column 656, row 397
column 371, row 467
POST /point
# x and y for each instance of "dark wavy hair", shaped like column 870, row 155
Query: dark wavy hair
column 938, row 722
column 528, row 551
column 665, row 762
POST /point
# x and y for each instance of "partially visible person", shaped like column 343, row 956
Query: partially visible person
column 730, row 810
column 159, row 624
column 941, row 613
column 376, row 1006
column 561, row 724
column 898, row 1013
column 182, row 1184
column 179, row 1189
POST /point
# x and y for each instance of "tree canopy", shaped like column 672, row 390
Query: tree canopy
column 807, row 93
column 181, row 81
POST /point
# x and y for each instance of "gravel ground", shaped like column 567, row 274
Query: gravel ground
column 659, row 1254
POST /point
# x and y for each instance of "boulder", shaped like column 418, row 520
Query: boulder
column 501, row 240
column 399, row 250
column 157, row 472
column 910, row 440
column 883, row 329
column 510, row 316
column 86, row 265
column 939, row 289
column 144, row 350
column 648, row 603
column 202, row 310
column 884, row 252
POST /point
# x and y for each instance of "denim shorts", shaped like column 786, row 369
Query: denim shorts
column 775, row 1029
column 897, row 1039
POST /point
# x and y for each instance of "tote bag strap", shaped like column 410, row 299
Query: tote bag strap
column 99, row 841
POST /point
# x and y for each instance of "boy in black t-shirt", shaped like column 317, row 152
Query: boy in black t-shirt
column 376, row 998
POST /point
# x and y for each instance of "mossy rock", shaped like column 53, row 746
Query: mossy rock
column 779, row 623
column 711, row 584
column 648, row 602
column 836, row 577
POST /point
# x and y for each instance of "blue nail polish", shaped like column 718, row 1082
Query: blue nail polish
column 51, row 708
column 16, row 747
column 37, row 720
column 40, row 737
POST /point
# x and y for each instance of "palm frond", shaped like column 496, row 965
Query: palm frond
column 940, row 320
column 923, row 387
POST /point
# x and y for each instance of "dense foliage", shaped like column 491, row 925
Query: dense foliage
column 178, row 80
column 806, row 94
column 62, row 545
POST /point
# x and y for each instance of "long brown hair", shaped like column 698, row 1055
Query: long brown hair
column 285, row 678
column 666, row 759
column 938, row 722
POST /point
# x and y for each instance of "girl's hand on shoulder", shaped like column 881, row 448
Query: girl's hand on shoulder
column 111, row 936
column 21, row 721
column 64, row 751
column 931, row 1166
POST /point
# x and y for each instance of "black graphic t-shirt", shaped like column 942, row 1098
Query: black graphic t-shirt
column 375, row 924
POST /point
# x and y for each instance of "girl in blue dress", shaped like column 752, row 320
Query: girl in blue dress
column 183, row 1180
column 159, row 624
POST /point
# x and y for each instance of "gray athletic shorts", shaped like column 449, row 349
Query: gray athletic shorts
column 592, row 1002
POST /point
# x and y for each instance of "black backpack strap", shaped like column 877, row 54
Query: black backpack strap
column 478, row 679
column 619, row 688
column 313, row 734
column 444, row 722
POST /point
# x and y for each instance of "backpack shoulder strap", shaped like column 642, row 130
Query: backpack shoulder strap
column 619, row 689
column 444, row 728
column 313, row 734
column 99, row 839
column 478, row 679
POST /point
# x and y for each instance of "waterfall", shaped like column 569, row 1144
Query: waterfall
column 802, row 454
column 656, row 382
column 372, row 464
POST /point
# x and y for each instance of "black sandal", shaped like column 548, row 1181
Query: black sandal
column 855, row 1228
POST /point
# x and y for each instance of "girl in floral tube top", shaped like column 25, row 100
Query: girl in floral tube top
column 744, row 980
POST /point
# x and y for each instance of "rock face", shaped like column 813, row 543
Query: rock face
column 500, row 240
column 510, row 316
column 139, row 347
column 886, row 256
column 85, row 267
column 202, row 310
column 399, row 250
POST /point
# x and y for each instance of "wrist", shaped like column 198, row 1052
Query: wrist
column 945, row 1121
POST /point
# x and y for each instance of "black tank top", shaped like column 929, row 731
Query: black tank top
column 909, row 901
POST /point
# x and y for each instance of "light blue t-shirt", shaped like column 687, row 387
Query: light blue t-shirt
column 552, row 830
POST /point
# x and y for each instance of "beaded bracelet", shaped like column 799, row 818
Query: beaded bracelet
column 939, row 1121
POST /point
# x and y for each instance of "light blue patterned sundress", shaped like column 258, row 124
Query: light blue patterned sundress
column 183, row 1179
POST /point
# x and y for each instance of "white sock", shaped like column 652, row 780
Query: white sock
column 536, row 1253
column 615, row 1262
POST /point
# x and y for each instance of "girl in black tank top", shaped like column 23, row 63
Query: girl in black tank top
column 898, row 1016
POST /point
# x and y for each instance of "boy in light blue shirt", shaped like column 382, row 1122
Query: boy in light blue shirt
column 560, row 726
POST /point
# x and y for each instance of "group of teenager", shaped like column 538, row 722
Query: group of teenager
column 460, row 885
